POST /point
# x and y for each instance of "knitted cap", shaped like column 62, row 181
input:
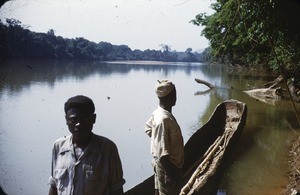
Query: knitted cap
column 164, row 88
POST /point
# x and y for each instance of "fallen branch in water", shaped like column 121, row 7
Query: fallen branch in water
column 205, row 83
column 274, row 83
column 269, row 93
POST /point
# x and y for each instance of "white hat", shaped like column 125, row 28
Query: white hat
column 164, row 88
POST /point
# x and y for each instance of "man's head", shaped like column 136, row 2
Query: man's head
column 166, row 92
column 80, row 117
column 163, row 88
column 80, row 102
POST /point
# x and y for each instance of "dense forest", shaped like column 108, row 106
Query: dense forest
column 17, row 42
column 260, row 33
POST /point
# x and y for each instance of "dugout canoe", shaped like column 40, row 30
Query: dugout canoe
column 206, row 150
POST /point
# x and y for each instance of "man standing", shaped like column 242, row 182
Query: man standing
column 166, row 141
column 84, row 163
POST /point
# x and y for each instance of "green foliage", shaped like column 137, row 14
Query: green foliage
column 260, row 33
column 16, row 41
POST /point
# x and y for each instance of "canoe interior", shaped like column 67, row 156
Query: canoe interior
column 201, row 140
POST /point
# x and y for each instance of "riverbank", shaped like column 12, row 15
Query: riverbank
column 293, row 186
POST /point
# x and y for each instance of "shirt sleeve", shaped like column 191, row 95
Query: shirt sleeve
column 52, row 180
column 148, row 127
column 165, row 139
column 173, row 142
column 116, row 171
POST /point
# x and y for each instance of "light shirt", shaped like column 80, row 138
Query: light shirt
column 166, row 137
column 97, row 170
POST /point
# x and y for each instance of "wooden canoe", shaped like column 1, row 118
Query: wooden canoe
column 206, row 150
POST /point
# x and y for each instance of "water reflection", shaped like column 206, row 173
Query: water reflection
column 31, row 118
column 19, row 73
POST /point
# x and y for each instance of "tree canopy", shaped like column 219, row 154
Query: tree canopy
column 260, row 33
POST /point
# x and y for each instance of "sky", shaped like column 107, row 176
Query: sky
column 140, row 24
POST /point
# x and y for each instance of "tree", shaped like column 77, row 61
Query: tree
column 188, row 50
column 16, row 41
column 259, row 33
column 165, row 47
column 51, row 32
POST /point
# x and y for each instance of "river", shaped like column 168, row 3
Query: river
column 32, row 94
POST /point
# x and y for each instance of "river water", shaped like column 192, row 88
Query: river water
column 32, row 94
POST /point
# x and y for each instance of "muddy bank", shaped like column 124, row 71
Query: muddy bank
column 293, row 186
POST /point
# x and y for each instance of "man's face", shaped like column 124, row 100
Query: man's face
column 80, row 123
column 174, row 97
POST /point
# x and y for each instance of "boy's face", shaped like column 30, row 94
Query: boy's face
column 80, row 123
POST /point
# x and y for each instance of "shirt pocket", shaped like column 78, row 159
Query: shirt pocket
column 96, row 181
column 62, row 179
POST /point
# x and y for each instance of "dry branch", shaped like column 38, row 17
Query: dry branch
column 269, row 93
column 211, row 86
column 274, row 83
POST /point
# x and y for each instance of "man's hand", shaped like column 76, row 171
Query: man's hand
column 169, row 180
column 171, row 171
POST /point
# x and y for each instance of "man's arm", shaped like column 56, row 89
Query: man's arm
column 52, row 190
column 172, row 176
column 148, row 128
column 116, row 172
column 168, row 166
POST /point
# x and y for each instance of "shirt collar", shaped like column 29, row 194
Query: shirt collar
column 91, row 147
column 67, row 145
column 167, row 112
